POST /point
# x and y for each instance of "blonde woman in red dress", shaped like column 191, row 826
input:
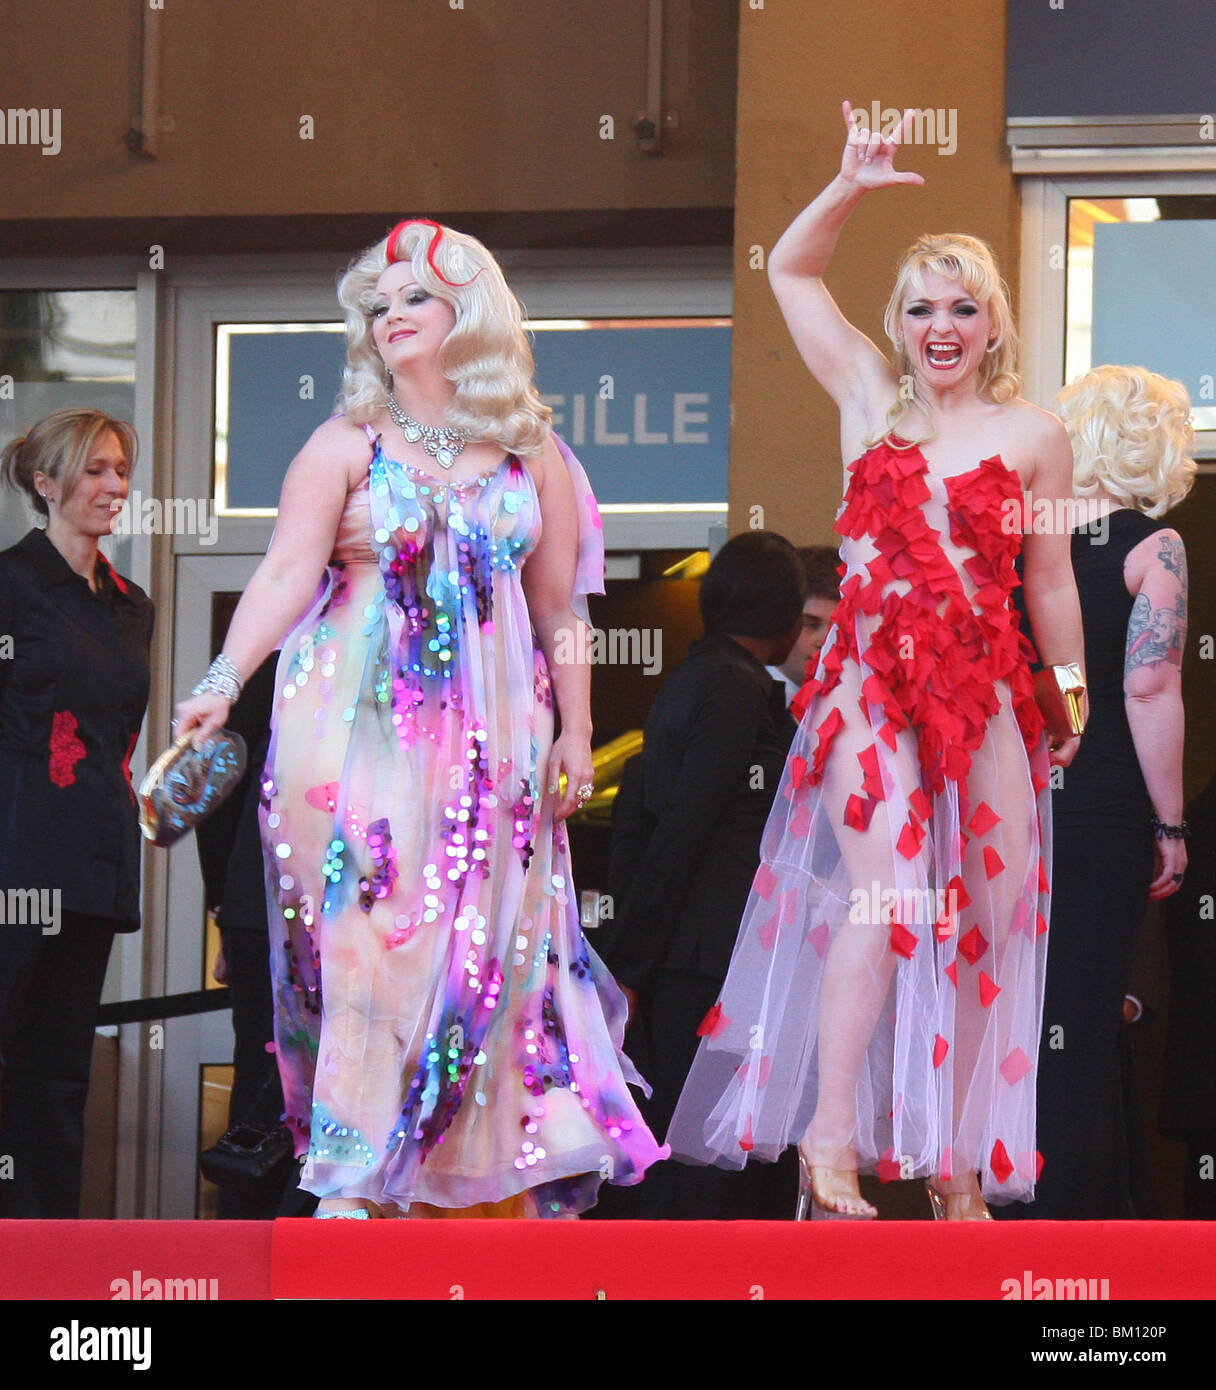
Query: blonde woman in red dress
column 883, row 1005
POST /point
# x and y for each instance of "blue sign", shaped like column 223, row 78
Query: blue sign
column 647, row 410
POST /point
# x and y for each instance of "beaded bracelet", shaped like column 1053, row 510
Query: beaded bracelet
column 222, row 678
column 1171, row 832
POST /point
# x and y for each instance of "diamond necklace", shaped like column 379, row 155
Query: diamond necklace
column 443, row 445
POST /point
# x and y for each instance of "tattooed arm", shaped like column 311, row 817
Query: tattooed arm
column 1155, row 572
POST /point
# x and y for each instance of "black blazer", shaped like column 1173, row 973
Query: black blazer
column 72, row 698
column 716, row 742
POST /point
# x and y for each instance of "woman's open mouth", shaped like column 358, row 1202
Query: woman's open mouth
column 943, row 356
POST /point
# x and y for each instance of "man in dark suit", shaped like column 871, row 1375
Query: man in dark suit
column 687, row 824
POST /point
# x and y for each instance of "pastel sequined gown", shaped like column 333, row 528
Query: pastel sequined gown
column 444, row 1033
column 896, row 930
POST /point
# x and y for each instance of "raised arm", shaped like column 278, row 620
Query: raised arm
column 310, row 508
column 548, row 584
column 1155, row 572
column 841, row 358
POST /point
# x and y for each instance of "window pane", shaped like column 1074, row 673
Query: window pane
column 61, row 348
column 1141, row 290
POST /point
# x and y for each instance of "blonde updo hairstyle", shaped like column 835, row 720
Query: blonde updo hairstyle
column 60, row 447
column 1131, row 437
column 971, row 262
column 486, row 355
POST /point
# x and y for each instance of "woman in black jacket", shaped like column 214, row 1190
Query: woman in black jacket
column 73, row 690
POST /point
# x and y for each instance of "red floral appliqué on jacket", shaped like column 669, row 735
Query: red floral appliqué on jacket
column 66, row 749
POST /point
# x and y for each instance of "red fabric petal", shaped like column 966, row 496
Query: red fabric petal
column 818, row 937
column 767, row 932
column 887, row 1168
column 989, row 989
column 872, row 781
column 903, row 942
column 1001, row 1167
column 940, row 1048
column 765, row 881
column 1038, row 1165
column 858, row 812
column 889, row 735
column 973, row 945
column 1040, row 924
column 1015, row 1066
column 993, row 863
column 911, row 837
column 747, row 1143
column 920, row 804
column 951, row 973
column 714, row 1023
column 798, row 769
column 1044, row 886
column 962, row 898
column 983, row 820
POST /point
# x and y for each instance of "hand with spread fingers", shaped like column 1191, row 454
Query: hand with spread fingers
column 869, row 155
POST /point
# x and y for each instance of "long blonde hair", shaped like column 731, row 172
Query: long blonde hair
column 486, row 355
column 971, row 262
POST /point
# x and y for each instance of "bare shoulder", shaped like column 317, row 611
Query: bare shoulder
column 1160, row 556
column 1036, row 443
column 546, row 464
column 1034, row 426
column 338, row 441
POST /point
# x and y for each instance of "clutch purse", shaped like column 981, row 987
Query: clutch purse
column 1059, row 692
column 248, row 1160
column 185, row 784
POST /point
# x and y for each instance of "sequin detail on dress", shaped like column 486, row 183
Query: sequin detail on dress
column 910, row 836
column 444, row 1033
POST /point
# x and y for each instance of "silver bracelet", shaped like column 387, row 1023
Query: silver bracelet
column 222, row 678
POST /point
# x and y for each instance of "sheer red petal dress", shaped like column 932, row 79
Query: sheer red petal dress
column 888, row 975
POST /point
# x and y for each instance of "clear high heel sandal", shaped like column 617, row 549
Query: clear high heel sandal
column 972, row 1207
column 808, row 1201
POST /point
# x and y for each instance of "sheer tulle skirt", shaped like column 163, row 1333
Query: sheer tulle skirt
column 888, row 976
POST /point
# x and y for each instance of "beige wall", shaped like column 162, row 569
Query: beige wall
column 797, row 61
column 417, row 106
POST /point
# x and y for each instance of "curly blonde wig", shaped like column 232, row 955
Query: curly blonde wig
column 486, row 355
column 1131, row 437
column 971, row 262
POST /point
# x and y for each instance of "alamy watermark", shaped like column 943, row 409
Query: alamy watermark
column 926, row 126
column 614, row 646
column 32, row 125
column 32, row 907
column 174, row 516
column 1054, row 516
column 910, row 907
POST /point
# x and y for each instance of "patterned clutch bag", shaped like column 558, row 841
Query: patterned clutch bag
column 185, row 784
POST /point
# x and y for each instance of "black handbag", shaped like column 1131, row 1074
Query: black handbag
column 252, row 1157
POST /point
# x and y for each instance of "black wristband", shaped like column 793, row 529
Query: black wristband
column 1170, row 832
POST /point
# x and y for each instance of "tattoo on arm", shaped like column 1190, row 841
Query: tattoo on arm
column 1155, row 634
column 1173, row 556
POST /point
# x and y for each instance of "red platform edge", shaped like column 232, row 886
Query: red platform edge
column 449, row 1260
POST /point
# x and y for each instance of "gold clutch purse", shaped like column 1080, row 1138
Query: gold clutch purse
column 1059, row 692
column 185, row 784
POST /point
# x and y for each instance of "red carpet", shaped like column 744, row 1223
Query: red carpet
column 601, row 1259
